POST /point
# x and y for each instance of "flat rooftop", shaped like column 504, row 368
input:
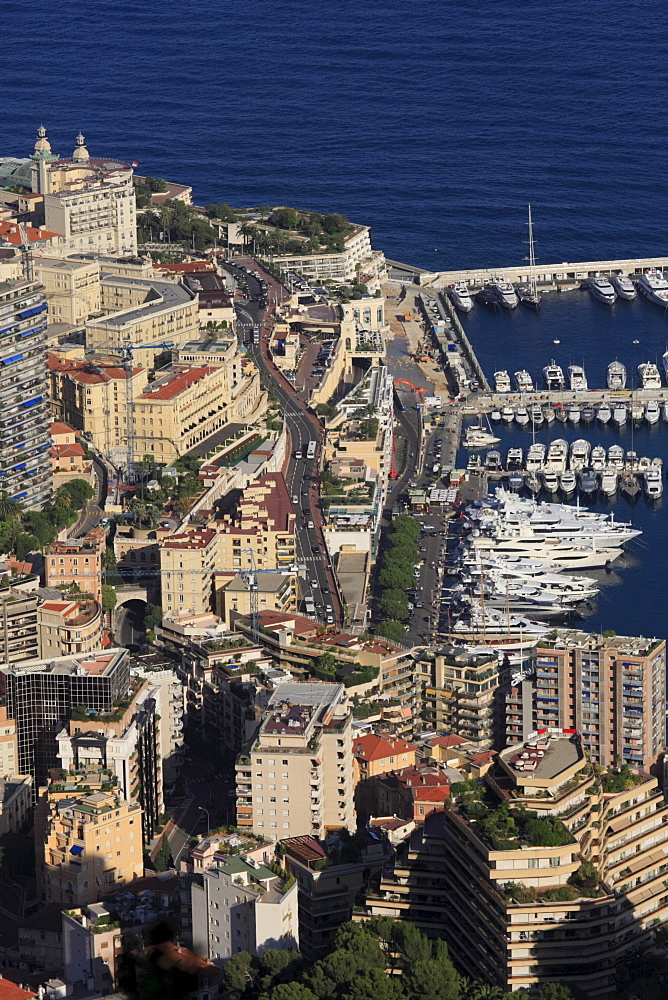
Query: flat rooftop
column 161, row 295
column 630, row 645
column 543, row 758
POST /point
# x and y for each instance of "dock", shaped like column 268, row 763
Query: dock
column 548, row 276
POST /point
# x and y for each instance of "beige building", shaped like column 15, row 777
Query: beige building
column 357, row 262
column 242, row 394
column 458, row 690
column 303, row 743
column 79, row 561
column 567, row 912
column 72, row 288
column 19, row 630
column 187, row 566
column 69, row 627
column 15, row 802
column 9, row 751
column 92, row 947
column 93, row 843
column 275, row 592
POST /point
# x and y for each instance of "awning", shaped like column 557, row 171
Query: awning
column 76, row 850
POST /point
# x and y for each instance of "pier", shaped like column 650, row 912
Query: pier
column 555, row 276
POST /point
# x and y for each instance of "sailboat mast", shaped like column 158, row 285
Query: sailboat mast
column 532, row 260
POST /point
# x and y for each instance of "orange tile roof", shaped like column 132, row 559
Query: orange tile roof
column 58, row 427
column 372, row 747
column 448, row 741
column 432, row 793
column 10, row 232
column 67, row 450
column 179, row 382
column 10, row 991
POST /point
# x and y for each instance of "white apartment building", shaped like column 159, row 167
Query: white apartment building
column 242, row 905
column 317, row 267
column 296, row 777
column 168, row 692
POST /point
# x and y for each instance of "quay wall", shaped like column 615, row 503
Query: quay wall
column 465, row 343
column 551, row 274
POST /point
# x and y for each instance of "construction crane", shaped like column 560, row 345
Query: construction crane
column 26, row 253
column 127, row 351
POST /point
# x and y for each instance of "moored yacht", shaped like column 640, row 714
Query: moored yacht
column 602, row 290
column 616, row 375
column 616, row 456
column 652, row 412
column 514, row 459
column 554, row 377
column 550, row 481
column 664, row 363
column 504, row 293
column 524, row 381
column 560, row 413
column 522, row 416
column 619, row 414
column 548, row 413
column 574, row 413
column 654, row 287
column 557, row 455
column 598, row 458
column 588, row 482
column 609, row 480
column 603, row 413
column 567, row 482
column 507, row 414
column 535, row 457
column 536, row 414
column 653, row 483
column 637, row 412
column 623, row 285
column 664, row 412
column 515, row 481
column 588, row 414
column 460, row 296
column 577, row 378
column 493, row 460
column 649, row 375
column 579, row 456
column 502, row 381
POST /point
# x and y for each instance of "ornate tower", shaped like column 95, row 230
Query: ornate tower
column 81, row 154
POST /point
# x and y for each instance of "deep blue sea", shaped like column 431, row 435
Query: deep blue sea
column 434, row 123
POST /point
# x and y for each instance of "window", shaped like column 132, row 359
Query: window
column 533, row 862
column 555, row 862
column 284, row 762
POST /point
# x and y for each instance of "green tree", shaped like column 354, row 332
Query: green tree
column 554, row 991
column 237, row 972
column 80, row 491
column 284, row 218
column 109, row 598
column 62, row 497
column 392, row 630
column 163, row 859
column 289, row 991
column 152, row 616
column 396, row 576
column 10, row 509
column 280, row 965
column 395, row 605
column 413, row 944
column 335, row 223
column 375, row 984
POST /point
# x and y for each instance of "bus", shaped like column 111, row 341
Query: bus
column 309, row 606
column 310, row 452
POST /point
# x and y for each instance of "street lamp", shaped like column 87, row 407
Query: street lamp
column 208, row 818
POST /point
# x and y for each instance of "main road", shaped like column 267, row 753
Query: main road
column 301, row 473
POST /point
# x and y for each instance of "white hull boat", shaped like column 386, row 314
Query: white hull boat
column 654, row 287
column 624, row 287
column 460, row 297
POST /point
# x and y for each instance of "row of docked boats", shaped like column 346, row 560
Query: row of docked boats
column 652, row 285
column 649, row 377
column 518, row 556
column 618, row 413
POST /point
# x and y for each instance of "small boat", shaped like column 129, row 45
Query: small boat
column 550, row 481
column 588, row 414
column 598, row 458
column 548, row 413
column 474, row 463
column 460, row 296
column 502, row 381
column 574, row 414
column 522, row 416
column 657, row 463
column 631, row 463
column 486, row 297
column 579, row 456
column 616, row 378
column 603, row 413
column 514, row 459
column 588, row 482
column 654, row 287
column 616, row 456
column 609, row 480
column 637, row 412
column 515, row 481
column 602, row 290
column 493, row 461
column 536, row 457
column 554, row 377
column 619, row 414
column 504, row 293
column 533, row 483
column 495, row 415
column 536, row 414
column 628, row 485
column 649, row 375
column 476, row 438
column 643, row 463
column 623, row 285
column 524, row 381
column 577, row 378
column 653, row 483
column 507, row 414
column 652, row 412
column 557, row 455
column 560, row 413
column 567, row 482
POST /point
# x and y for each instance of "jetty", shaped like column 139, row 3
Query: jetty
column 549, row 276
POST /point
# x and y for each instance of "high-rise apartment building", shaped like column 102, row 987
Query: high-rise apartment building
column 612, row 689
column 25, row 466
column 19, row 628
column 296, row 776
column 458, row 688
column 42, row 694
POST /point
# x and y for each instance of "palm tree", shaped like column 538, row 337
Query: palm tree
column 62, row 497
column 10, row 509
column 248, row 231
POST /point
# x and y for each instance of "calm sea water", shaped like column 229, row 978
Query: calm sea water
column 435, row 124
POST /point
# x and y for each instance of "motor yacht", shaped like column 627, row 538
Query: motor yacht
column 536, row 415
column 522, row 416
column 616, row 456
column 474, row 463
column 664, row 412
column 567, row 482
column 507, row 414
column 514, row 458
column 584, row 555
column 579, row 455
column 654, row 287
column 548, row 413
column 554, row 377
column 602, row 290
column 664, row 364
column 619, row 414
column 536, row 457
column 493, row 461
column 550, row 481
column 516, row 481
column 653, row 483
column 560, row 413
column 629, row 485
column 476, row 437
column 502, row 381
column 574, row 414
column 495, row 416
column 652, row 412
column 616, row 377
column 577, row 378
column 657, row 463
column 643, row 464
column 533, row 483
column 631, row 463
column 587, row 413
column 524, row 381
column 460, row 296
column 588, row 482
column 637, row 412
column 598, row 458
column 609, row 481
column 557, row 455
column 649, row 374
column 623, row 285
column 504, row 293
column 603, row 413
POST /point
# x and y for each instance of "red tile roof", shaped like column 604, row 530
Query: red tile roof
column 188, row 267
column 10, row 232
column 449, row 741
column 88, row 372
column 190, row 540
column 179, row 382
column 431, row 794
column 10, row 991
column 58, row 427
column 67, row 451
column 372, row 747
